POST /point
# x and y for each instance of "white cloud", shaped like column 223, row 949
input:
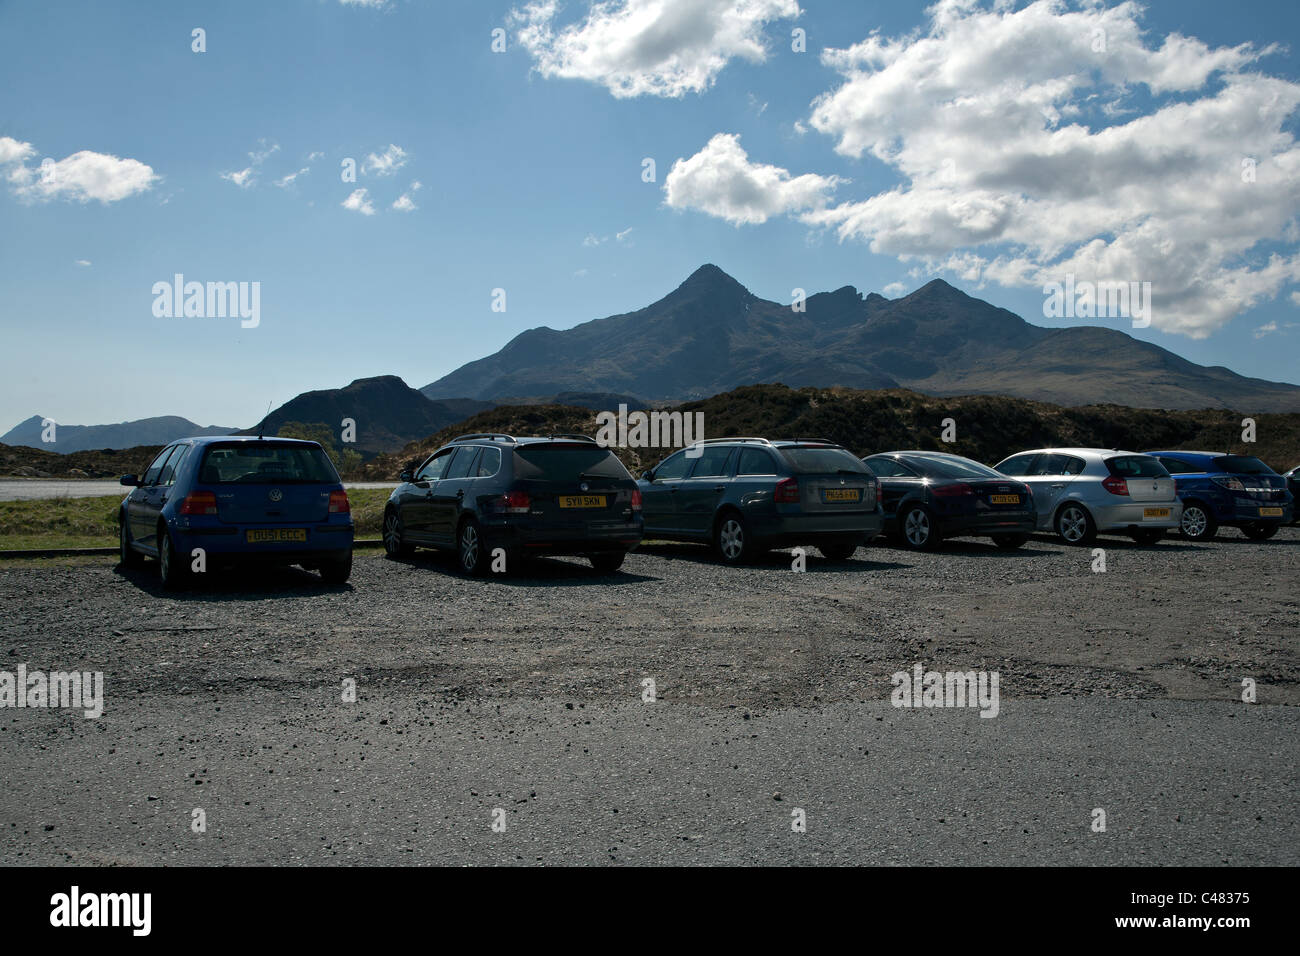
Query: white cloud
column 622, row 236
column 286, row 181
column 721, row 181
column 83, row 176
column 648, row 47
column 83, row 262
column 1002, row 127
column 894, row 290
column 1265, row 329
column 244, row 178
column 359, row 201
column 372, row 4
column 392, row 159
column 404, row 202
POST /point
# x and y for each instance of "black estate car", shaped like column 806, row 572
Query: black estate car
column 747, row 495
column 529, row 496
column 929, row 495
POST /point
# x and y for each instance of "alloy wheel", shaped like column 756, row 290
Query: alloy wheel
column 731, row 539
column 1194, row 521
column 1073, row 524
column 916, row 528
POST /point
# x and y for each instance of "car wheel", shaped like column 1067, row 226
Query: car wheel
column 840, row 551
column 1075, row 525
column 731, row 538
column 607, row 562
column 130, row 557
column 1009, row 542
column 471, row 551
column 1197, row 523
column 394, row 545
column 1260, row 530
column 918, row 531
column 1148, row 536
column 172, row 569
column 336, row 571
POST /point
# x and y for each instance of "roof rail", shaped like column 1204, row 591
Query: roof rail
column 710, row 441
column 494, row 436
column 800, row 441
column 571, row 437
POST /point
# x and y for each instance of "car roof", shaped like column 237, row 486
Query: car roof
column 1100, row 452
column 1192, row 454
column 924, row 453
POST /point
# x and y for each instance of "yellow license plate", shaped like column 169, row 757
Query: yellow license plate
column 843, row 494
column 275, row 535
column 1155, row 512
column 582, row 501
column 1004, row 499
column 1270, row 512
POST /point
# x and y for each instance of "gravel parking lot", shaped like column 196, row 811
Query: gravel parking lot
column 1119, row 690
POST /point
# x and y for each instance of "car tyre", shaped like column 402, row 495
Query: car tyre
column 1197, row 523
column 1009, row 542
column 607, row 562
column 1074, row 524
column 1260, row 530
column 394, row 544
column 336, row 571
column 839, row 551
column 471, row 551
column 731, row 538
column 916, row 529
column 172, row 569
column 130, row 557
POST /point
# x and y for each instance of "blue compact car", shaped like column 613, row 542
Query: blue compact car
column 1235, row 490
column 274, row 500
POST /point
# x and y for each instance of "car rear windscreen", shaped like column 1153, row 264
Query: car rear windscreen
column 545, row 462
column 821, row 461
column 266, row 463
column 1242, row 465
column 1136, row 466
column 961, row 468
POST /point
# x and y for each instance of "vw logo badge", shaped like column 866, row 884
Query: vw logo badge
column 583, row 486
column 275, row 494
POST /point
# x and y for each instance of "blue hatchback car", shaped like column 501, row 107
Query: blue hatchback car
column 1235, row 490
column 276, row 500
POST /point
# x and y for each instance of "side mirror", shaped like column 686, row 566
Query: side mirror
column 406, row 476
column 647, row 476
column 131, row 481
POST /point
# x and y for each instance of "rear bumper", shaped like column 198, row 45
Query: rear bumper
column 323, row 540
column 527, row 537
column 1131, row 515
column 787, row 530
column 1239, row 511
column 988, row 523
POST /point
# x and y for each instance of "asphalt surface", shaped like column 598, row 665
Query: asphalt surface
column 1119, row 691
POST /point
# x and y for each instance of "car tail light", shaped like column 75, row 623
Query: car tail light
column 787, row 491
column 951, row 491
column 636, row 499
column 339, row 504
column 516, row 502
column 199, row 503
column 1232, row 484
column 1115, row 485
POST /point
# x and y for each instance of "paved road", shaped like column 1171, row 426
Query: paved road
column 1119, row 691
column 30, row 489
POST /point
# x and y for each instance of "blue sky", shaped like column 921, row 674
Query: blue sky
column 530, row 171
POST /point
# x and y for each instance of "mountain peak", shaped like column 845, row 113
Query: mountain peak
column 710, row 275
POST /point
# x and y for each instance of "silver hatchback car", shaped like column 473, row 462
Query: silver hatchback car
column 1082, row 492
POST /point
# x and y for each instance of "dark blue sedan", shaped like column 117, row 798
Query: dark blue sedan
column 224, row 500
column 1234, row 490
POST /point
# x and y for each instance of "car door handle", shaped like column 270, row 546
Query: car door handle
column 460, row 494
column 1061, row 485
column 719, row 487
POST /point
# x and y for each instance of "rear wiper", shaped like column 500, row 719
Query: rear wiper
column 587, row 474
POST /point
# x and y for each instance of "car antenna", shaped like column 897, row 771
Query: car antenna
column 262, row 427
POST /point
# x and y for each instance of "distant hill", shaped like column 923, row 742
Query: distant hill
column 711, row 334
column 145, row 431
column 989, row 427
column 21, row 461
column 388, row 413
